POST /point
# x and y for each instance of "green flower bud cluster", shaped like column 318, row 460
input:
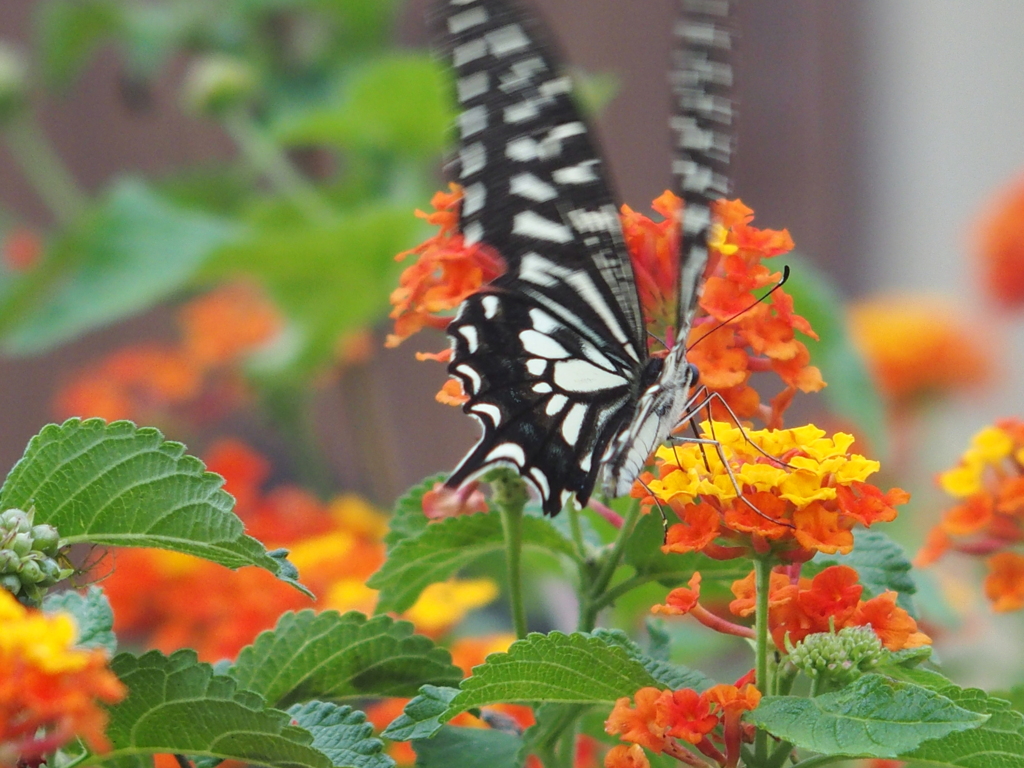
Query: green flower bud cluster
column 28, row 557
column 215, row 84
column 841, row 656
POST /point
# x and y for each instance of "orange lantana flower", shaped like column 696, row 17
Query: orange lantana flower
column 917, row 346
column 829, row 601
column 988, row 520
column 793, row 491
column 50, row 691
column 446, row 272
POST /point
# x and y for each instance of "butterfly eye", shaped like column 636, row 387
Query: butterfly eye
column 694, row 374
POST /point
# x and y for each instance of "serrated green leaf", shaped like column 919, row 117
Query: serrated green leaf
column 881, row 563
column 175, row 704
column 399, row 103
column 342, row 734
column 643, row 553
column 421, row 717
column 124, row 486
column 445, row 547
column 997, row 743
column 1015, row 696
column 873, row 717
column 330, row 656
column 851, row 392
column 133, row 251
column 94, row 620
column 407, row 519
column 69, row 31
column 329, row 278
column 667, row 674
column 570, row 669
column 468, row 748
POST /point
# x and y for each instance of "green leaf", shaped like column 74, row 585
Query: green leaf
column 329, row 278
column 997, row 743
column 570, row 669
column 399, row 103
column 421, row 717
column 342, row 734
column 468, row 748
column 408, row 520
column 69, row 31
column 124, row 486
column 330, row 656
column 1015, row 696
column 133, row 251
column 851, row 392
column 873, row 717
column 667, row 674
column 643, row 553
column 177, row 705
column 93, row 617
column 881, row 563
column 445, row 547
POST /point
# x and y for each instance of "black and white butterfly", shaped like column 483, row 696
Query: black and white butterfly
column 553, row 354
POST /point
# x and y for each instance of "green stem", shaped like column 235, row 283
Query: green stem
column 567, row 748
column 814, row 762
column 763, row 570
column 45, row 171
column 622, row 588
column 593, row 598
column 266, row 158
column 577, row 532
column 510, row 498
column 780, row 755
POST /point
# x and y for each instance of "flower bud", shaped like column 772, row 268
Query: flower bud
column 21, row 544
column 45, row 539
column 30, row 572
column 9, row 561
column 16, row 520
column 841, row 657
column 13, row 83
column 11, row 583
column 216, row 83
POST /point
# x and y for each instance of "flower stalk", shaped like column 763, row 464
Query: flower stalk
column 510, row 498
column 763, row 571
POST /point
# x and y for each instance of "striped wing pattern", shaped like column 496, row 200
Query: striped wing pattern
column 552, row 354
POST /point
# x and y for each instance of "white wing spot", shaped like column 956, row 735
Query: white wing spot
column 473, row 233
column 472, row 158
column 528, row 186
column 544, row 322
column 472, row 375
column 473, row 198
column 490, row 305
column 556, row 404
column 492, row 412
column 470, row 335
column 542, row 388
column 542, row 346
column 536, row 367
column 532, row 224
column 522, row 149
column 462, row 21
column 541, row 480
column 583, row 173
column 509, row 452
column 467, row 52
column 573, row 423
column 521, row 112
column 556, row 87
column 581, row 376
column 473, row 121
column 471, row 86
column 507, row 39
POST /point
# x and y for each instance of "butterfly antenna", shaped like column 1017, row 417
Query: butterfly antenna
column 782, row 282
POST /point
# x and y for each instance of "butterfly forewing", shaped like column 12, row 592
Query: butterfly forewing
column 551, row 354
column 702, row 80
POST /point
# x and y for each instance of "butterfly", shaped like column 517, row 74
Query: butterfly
column 553, row 354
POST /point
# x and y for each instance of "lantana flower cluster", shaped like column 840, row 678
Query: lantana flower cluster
column 761, row 339
column 791, row 491
column 798, row 607
column 50, row 691
column 988, row 519
column 661, row 719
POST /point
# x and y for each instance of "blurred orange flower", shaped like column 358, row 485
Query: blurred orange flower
column 917, row 345
column 147, row 382
column 1000, row 245
column 50, row 691
column 22, row 249
column 988, row 520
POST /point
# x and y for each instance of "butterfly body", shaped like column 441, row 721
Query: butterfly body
column 553, row 354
